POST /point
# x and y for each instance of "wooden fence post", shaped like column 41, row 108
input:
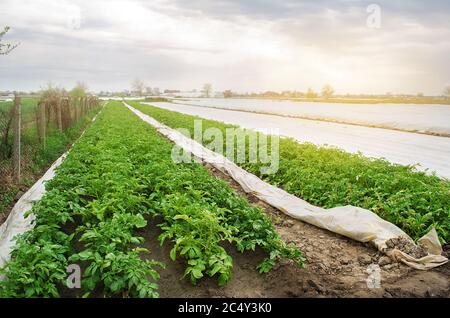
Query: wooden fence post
column 69, row 111
column 65, row 113
column 59, row 113
column 17, row 132
column 41, row 121
column 76, row 104
column 85, row 106
column 83, row 102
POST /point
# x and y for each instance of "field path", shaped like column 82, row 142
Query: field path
column 335, row 266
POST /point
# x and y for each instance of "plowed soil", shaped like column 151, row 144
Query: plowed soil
column 335, row 266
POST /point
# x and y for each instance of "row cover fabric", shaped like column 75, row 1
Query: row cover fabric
column 430, row 119
column 395, row 146
column 17, row 222
column 356, row 223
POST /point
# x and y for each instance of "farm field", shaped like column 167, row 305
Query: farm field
column 432, row 119
column 330, row 177
column 395, row 146
column 142, row 226
column 29, row 105
column 221, row 157
column 118, row 176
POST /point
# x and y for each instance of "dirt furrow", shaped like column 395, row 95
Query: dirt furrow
column 335, row 266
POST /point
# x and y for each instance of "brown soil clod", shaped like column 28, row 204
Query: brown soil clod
column 335, row 266
column 406, row 246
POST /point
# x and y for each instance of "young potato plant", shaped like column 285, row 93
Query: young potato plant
column 238, row 222
column 200, row 212
column 330, row 177
column 119, row 172
column 38, row 266
column 85, row 205
column 196, row 233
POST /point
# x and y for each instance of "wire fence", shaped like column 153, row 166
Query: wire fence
column 29, row 131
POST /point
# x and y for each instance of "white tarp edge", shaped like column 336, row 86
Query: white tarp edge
column 17, row 223
column 356, row 223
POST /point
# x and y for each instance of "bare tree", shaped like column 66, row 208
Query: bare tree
column 5, row 48
column 207, row 90
column 138, row 86
column 51, row 91
column 228, row 93
column 327, row 91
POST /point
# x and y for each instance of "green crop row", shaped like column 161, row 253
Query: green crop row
column 116, row 176
column 330, row 177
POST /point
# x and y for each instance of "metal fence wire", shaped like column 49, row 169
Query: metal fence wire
column 24, row 130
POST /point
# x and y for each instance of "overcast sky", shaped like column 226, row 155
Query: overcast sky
column 251, row 45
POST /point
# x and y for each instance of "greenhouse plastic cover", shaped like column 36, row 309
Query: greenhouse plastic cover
column 395, row 146
column 427, row 118
column 356, row 223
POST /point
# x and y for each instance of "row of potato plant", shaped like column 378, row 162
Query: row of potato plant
column 330, row 177
column 115, row 177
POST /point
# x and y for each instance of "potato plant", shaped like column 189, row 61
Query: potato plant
column 116, row 176
column 330, row 177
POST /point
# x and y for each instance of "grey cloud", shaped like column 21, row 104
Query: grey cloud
column 106, row 55
column 298, row 8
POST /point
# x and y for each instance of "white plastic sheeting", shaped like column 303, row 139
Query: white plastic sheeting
column 17, row 223
column 433, row 119
column 353, row 222
column 120, row 98
column 430, row 152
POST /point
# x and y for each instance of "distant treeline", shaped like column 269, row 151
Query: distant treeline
column 329, row 97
